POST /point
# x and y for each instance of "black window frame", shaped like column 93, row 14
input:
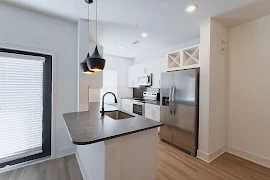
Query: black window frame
column 47, row 107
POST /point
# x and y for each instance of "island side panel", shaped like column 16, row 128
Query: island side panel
column 132, row 157
column 91, row 159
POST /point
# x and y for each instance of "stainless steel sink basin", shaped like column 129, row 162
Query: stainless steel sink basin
column 118, row 115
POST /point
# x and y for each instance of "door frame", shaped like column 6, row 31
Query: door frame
column 55, row 60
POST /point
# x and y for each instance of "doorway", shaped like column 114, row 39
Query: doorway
column 25, row 106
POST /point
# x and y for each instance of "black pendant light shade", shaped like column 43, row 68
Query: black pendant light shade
column 95, row 62
column 84, row 66
column 89, row 1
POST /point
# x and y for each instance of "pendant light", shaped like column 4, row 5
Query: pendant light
column 83, row 65
column 95, row 62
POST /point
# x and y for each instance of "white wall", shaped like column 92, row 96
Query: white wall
column 212, row 122
column 161, row 53
column 248, row 88
column 217, row 128
column 204, row 87
column 29, row 30
column 120, row 64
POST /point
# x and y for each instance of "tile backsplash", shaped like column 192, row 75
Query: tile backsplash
column 138, row 92
column 149, row 89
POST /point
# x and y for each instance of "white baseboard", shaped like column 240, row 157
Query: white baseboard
column 235, row 151
column 65, row 152
column 83, row 171
column 202, row 156
column 24, row 164
column 218, row 152
column 249, row 156
column 211, row 157
column 60, row 153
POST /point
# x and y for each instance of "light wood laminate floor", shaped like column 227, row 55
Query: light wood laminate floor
column 176, row 165
column 172, row 165
column 66, row 168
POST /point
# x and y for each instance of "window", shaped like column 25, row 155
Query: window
column 25, row 106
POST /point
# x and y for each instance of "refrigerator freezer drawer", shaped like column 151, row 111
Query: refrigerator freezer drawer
column 166, row 133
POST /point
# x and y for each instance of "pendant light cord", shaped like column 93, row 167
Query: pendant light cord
column 96, row 22
column 88, row 29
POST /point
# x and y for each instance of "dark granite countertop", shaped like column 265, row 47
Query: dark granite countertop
column 89, row 127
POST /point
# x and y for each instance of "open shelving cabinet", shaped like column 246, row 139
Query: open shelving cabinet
column 184, row 59
column 174, row 60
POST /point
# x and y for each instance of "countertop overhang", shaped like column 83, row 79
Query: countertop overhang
column 89, row 127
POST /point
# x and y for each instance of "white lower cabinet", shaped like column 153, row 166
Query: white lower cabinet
column 127, row 105
column 148, row 111
column 152, row 112
column 156, row 113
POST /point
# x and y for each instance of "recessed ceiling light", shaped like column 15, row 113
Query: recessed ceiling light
column 191, row 8
column 144, row 34
column 121, row 47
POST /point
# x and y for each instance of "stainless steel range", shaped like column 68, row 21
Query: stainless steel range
column 139, row 104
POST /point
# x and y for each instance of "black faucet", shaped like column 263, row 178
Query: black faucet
column 115, row 100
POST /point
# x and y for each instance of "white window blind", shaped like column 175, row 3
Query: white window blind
column 21, row 106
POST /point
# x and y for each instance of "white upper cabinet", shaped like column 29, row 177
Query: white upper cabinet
column 148, row 67
column 156, row 72
column 153, row 67
column 183, row 59
column 190, row 57
column 132, row 76
column 144, row 68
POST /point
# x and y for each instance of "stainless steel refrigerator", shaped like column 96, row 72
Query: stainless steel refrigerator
column 180, row 109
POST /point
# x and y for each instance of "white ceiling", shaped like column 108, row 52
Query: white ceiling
column 166, row 21
column 244, row 14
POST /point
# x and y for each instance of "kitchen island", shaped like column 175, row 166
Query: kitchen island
column 117, row 146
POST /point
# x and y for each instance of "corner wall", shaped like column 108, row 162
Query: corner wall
column 217, row 128
column 204, row 88
column 248, row 88
column 212, row 122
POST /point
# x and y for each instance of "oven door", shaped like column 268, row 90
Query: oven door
column 138, row 108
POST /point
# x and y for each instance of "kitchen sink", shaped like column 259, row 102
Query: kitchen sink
column 118, row 115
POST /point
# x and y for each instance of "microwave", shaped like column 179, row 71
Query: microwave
column 145, row 80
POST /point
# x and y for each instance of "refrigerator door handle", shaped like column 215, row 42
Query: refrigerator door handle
column 170, row 99
column 173, row 99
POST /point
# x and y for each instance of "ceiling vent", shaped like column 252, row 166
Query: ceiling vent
column 136, row 42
